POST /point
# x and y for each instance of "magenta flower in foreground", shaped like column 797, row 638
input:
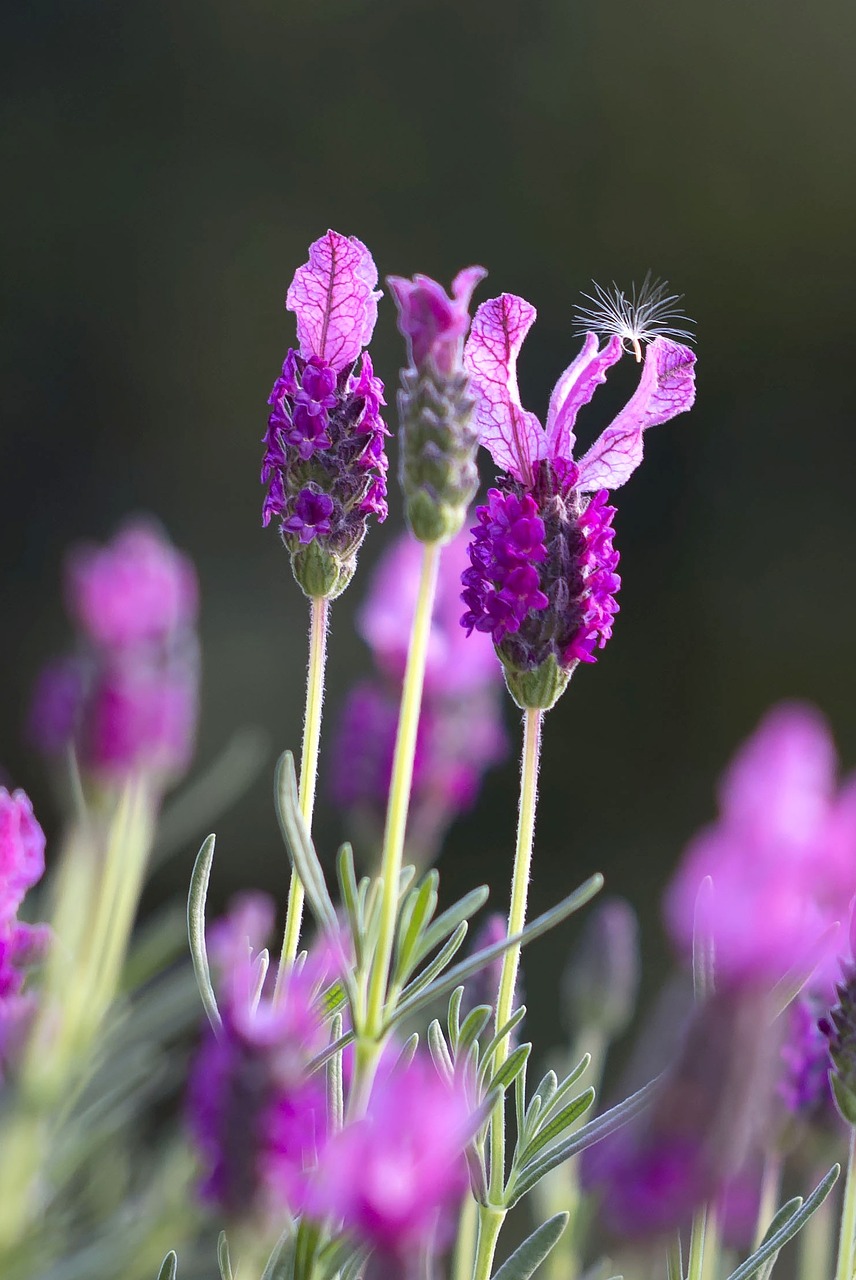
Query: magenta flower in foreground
column 781, row 856
column 22, row 864
column 543, row 579
column 438, row 438
column 254, row 1113
column 395, row 1177
column 126, row 699
column 324, row 464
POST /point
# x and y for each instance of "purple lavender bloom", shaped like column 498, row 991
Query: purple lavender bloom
column 438, row 438
column 324, row 464
column 256, row 1117
column 434, row 324
column 706, row 1118
column 136, row 590
column 781, row 857
column 22, row 864
column 460, row 731
column 543, row 579
column 804, row 1081
column 126, row 700
column 395, row 1177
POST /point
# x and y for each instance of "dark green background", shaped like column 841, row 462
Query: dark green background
column 165, row 166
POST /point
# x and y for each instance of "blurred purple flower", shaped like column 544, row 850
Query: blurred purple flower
column 804, row 1082
column 324, row 464
column 434, row 324
column 782, row 857
column 127, row 699
column 396, row 1176
column 22, row 864
column 454, row 666
column 542, row 580
column 138, row 589
column 255, row 1114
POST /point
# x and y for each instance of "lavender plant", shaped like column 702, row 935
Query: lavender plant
column 361, row 1107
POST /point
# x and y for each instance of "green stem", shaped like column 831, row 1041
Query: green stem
column 844, row 1270
column 492, row 1217
column 319, row 611
column 465, row 1242
column 399, row 793
column 695, row 1270
column 674, row 1260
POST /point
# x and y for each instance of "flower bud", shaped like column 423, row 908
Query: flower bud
column 438, row 472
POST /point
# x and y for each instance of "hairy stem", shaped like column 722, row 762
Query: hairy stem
column 492, row 1217
column 319, row 613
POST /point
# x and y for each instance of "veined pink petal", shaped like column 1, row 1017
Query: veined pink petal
column 514, row 438
column 334, row 298
column 575, row 388
column 666, row 388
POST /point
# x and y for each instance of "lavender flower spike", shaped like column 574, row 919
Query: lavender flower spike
column 438, row 437
column 22, row 864
column 324, row 464
column 543, row 575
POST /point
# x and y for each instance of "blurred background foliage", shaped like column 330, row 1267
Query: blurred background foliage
column 165, row 166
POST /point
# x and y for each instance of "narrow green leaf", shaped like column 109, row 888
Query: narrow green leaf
column 703, row 951
column 587, row 1136
column 565, row 1086
column 408, row 1049
column 453, row 1020
column 326, row 1054
column 169, row 1266
column 439, row 1051
column 511, row 1068
column 566, row 1117
column 280, row 1264
column 224, row 1262
column 772, row 1243
column 335, row 1083
column 196, row 898
column 437, row 965
column 463, row 909
column 467, row 968
column 527, row 1257
column 416, row 912
column 298, row 842
column 474, row 1024
column 334, row 1256
column 515, row 1019
column 346, row 877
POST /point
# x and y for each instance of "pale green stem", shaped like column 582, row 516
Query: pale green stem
column 465, row 1242
column 399, row 792
column 711, row 1265
column 319, row 610
column 695, row 1269
column 492, row 1217
column 844, row 1270
column 674, row 1262
column 769, row 1200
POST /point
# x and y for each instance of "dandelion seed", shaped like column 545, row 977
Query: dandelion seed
column 649, row 312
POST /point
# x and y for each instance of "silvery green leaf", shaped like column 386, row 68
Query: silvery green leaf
column 196, row 898
column 224, row 1262
column 306, row 1249
column 440, row 1052
column 169, row 1266
column 487, row 1057
column 474, row 1024
column 453, row 1020
column 564, row 1087
column 787, row 1229
column 280, row 1264
column 299, row 844
column 350, row 899
column 557, row 1126
column 590, row 1133
column 336, row 1046
column 418, row 909
column 703, row 949
column 440, row 928
column 527, row 1257
column 336, row 1256
column 408, row 1050
column 467, row 968
column 436, row 966
column 511, row 1068
column 335, row 1083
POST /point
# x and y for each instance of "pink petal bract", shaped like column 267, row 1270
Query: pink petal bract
column 334, row 298
column 514, row 438
column 575, row 388
column 666, row 388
